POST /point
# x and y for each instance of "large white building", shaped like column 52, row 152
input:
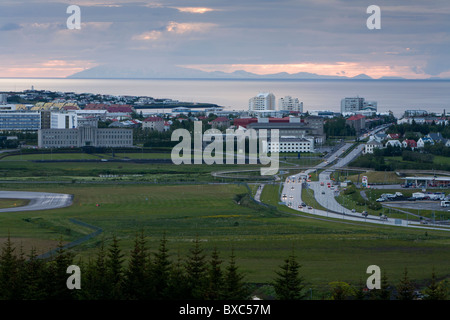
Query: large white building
column 262, row 102
column 356, row 105
column 3, row 98
column 291, row 144
column 290, row 104
column 86, row 134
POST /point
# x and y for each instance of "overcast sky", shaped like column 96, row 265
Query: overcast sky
column 261, row 36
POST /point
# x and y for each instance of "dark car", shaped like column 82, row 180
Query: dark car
column 412, row 199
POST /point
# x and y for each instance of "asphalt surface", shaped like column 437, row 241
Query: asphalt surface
column 325, row 196
column 38, row 200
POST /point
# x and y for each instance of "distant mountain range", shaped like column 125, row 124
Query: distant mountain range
column 115, row 72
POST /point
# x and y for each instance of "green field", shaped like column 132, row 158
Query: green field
column 11, row 203
column 328, row 250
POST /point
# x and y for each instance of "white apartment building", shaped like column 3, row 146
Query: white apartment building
column 63, row 120
column 291, row 144
column 353, row 105
column 3, row 98
column 290, row 104
column 262, row 102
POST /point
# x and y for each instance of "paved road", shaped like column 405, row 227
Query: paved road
column 292, row 190
column 38, row 200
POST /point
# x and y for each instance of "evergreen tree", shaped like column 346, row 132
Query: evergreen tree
column 384, row 293
column 177, row 284
column 57, row 275
column 114, row 271
column 235, row 288
column 436, row 290
column 33, row 269
column 196, row 272
column 135, row 275
column 161, row 270
column 9, row 274
column 360, row 292
column 214, row 289
column 405, row 289
column 289, row 284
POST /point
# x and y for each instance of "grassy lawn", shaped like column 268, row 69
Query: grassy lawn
column 388, row 177
column 261, row 238
column 11, row 203
column 308, row 198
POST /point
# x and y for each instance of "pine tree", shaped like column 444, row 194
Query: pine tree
column 8, row 271
column 135, row 276
column 214, row 289
column 405, row 289
column 177, row 284
column 435, row 290
column 114, row 271
column 289, row 284
column 57, row 275
column 196, row 272
column 161, row 270
column 234, row 288
column 33, row 270
column 384, row 293
column 360, row 292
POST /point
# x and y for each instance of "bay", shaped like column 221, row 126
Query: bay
column 394, row 95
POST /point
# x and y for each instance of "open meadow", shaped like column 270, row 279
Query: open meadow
column 221, row 216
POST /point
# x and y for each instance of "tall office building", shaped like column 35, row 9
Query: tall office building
column 3, row 98
column 353, row 105
column 290, row 104
column 262, row 102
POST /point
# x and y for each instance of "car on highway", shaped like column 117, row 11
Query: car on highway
column 321, row 183
column 300, row 206
column 380, row 200
column 323, row 192
column 365, row 214
column 303, row 204
column 353, row 210
column 284, row 196
column 309, row 207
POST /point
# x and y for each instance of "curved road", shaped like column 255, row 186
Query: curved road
column 38, row 200
column 292, row 190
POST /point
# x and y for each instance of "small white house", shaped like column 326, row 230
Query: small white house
column 394, row 143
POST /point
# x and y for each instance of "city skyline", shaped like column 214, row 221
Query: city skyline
column 328, row 37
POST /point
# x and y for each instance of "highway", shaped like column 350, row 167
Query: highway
column 325, row 196
column 38, row 200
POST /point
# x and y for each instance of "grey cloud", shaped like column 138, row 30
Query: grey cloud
column 10, row 27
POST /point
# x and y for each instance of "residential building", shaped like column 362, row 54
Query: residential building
column 262, row 102
column 436, row 137
column 291, row 144
column 394, row 143
column 220, row 122
column 357, row 121
column 371, row 145
column 3, row 98
column 409, row 143
column 153, row 123
column 355, row 105
column 290, row 104
column 421, row 142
